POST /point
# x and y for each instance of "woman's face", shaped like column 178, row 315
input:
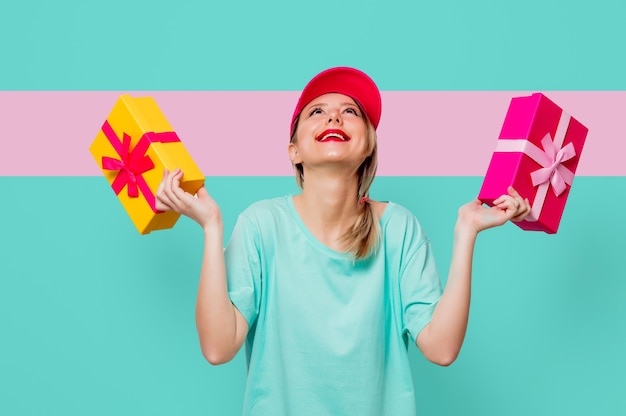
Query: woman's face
column 331, row 129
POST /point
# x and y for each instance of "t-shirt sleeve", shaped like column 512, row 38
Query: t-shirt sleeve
column 243, row 268
column 420, row 284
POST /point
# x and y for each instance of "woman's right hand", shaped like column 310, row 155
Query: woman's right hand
column 171, row 197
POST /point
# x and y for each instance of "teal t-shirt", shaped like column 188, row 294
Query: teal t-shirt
column 328, row 335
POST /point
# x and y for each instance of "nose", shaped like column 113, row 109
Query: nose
column 334, row 117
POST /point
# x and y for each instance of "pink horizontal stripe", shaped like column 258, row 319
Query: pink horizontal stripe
column 246, row 133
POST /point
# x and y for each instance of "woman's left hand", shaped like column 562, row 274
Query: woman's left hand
column 478, row 217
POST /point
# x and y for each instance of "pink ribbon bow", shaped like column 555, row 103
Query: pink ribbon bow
column 555, row 172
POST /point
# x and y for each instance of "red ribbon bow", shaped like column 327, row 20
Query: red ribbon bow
column 130, row 165
column 133, row 163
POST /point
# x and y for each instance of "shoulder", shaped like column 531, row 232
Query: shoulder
column 398, row 223
column 267, row 207
column 390, row 212
column 379, row 207
column 261, row 219
column 266, row 212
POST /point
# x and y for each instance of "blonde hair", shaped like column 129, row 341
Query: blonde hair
column 363, row 237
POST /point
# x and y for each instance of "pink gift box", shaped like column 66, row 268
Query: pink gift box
column 537, row 153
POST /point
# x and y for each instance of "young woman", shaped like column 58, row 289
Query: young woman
column 328, row 288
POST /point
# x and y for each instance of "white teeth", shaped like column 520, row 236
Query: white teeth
column 333, row 135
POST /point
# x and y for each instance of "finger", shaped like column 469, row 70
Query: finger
column 527, row 208
column 523, row 202
column 523, row 212
column 170, row 184
column 162, row 202
column 181, row 195
column 499, row 200
column 506, row 200
column 160, row 196
column 502, row 198
column 177, row 177
column 181, row 198
column 164, row 178
column 202, row 192
column 509, row 207
column 513, row 192
column 524, row 206
column 161, row 205
column 519, row 217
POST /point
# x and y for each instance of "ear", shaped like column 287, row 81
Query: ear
column 293, row 154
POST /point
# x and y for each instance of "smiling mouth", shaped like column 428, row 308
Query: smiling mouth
column 333, row 136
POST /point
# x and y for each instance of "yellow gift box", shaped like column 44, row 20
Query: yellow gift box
column 133, row 147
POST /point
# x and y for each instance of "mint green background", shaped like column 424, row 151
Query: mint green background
column 278, row 44
column 98, row 320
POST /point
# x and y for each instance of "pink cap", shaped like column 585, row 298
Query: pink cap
column 343, row 80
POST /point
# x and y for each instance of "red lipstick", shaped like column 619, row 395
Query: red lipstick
column 334, row 135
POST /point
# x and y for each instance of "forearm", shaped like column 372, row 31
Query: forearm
column 216, row 320
column 441, row 339
column 444, row 336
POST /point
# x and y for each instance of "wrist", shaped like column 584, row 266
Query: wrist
column 464, row 231
column 213, row 226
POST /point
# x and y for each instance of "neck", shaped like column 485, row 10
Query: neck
column 328, row 203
